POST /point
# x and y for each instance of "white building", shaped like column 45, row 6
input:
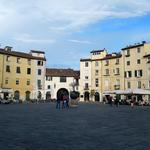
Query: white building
column 39, row 70
column 85, row 76
column 60, row 81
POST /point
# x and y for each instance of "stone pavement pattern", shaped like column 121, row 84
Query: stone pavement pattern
column 88, row 127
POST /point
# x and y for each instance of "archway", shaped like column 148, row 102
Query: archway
column 86, row 96
column 28, row 95
column 97, row 97
column 39, row 95
column 61, row 92
column 48, row 95
column 16, row 95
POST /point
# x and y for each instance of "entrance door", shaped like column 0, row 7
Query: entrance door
column 27, row 95
column 86, row 96
column 48, row 95
column 97, row 97
column 17, row 95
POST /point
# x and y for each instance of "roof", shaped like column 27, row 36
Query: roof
column 133, row 46
column 86, row 59
column 20, row 54
column 95, row 51
column 110, row 56
column 54, row 72
column 35, row 51
column 147, row 55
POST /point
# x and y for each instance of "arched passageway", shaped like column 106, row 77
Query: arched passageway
column 61, row 92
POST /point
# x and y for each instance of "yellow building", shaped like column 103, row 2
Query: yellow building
column 112, row 74
column 129, row 69
column 17, row 74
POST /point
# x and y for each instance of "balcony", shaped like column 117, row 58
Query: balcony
column 86, row 88
column 39, row 87
column 117, row 87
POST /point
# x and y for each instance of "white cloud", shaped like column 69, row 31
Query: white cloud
column 80, row 41
column 26, row 38
column 66, row 15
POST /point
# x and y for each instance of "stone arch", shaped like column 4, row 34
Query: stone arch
column 48, row 95
column 17, row 95
column 61, row 92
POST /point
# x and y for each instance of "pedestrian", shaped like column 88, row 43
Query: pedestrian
column 133, row 99
column 58, row 103
column 63, row 101
column 67, row 101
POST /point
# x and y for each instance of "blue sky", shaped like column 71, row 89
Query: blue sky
column 68, row 30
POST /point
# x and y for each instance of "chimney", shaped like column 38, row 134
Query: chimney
column 143, row 42
column 8, row 48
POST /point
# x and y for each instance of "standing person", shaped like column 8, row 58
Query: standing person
column 67, row 101
column 132, row 101
column 58, row 103
column 63, row 101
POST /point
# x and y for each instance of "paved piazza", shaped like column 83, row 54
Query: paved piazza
column 88, row 127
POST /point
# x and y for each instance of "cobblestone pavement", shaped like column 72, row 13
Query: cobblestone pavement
column 88, row 127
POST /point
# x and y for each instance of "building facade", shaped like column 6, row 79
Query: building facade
column 18, row 74
column 60, row 81
column 129, row 69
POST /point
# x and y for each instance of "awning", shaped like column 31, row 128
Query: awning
column 6, row 90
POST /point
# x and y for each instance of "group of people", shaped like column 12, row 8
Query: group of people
column 62, row 102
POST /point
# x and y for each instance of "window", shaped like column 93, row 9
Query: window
column 7, row 58
column 117, row 71
column 117, row 61
column 138, row 73
column 117, row 84
column 18, row 60
column 96, row 82
column 107, row 72
column 128, row 74
column 128, row 63
column 18, row 70
column 149, row 84
column 49, row 78
column 138, row 50
column 39, row 72
column 39, row 84
column 17, row 81
column 96, row 63
column 86, row 64
column 86, row 77
column 29, row 61
column 48, row 87
column 96, row 72
column 128, row 85
column 106, row 62
column 139, row 84
column 128, row 52
column 40, row 63
column 7, row 68
column 148, row 71
column 62, row 79
column 138, row 61
column 6, row 81
column 28, row 82
column 28, row 70
column 86, row 86
column 148, row 59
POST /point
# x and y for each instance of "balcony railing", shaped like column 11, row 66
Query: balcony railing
column 116, row 87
